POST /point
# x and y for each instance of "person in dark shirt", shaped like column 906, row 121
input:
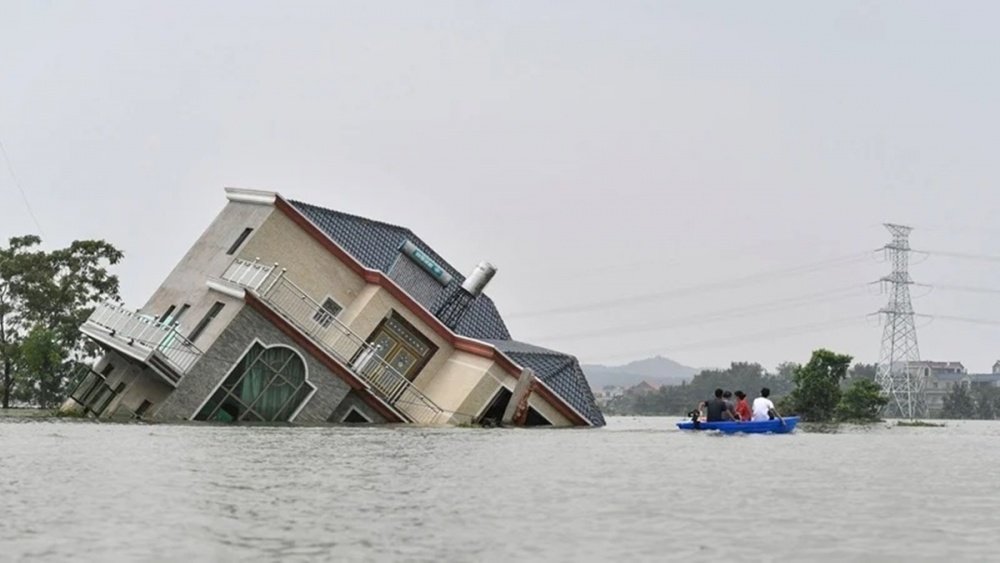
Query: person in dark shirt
column 717, row 409
column 728, row 398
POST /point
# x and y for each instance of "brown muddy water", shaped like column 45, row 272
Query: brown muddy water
column 638, row 490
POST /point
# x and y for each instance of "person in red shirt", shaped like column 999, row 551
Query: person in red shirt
column 742, row 407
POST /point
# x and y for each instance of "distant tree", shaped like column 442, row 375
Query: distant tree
column 863, row 371
column 786, row 371
column 987, row 403
column 19, row 266
column 861, row 402
column 47, row 296
column 748, row 377
column 959, row 403
column 817, row 385
column 43, row 369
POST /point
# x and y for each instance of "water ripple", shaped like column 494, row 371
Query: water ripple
column 637, row 490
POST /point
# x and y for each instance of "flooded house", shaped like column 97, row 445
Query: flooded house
column 284, row 311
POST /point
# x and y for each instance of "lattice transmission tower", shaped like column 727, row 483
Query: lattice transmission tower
column 898, row 374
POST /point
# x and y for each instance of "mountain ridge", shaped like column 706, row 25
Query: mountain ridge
column 657, row 370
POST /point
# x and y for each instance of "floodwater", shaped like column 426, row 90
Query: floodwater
column 637, row 490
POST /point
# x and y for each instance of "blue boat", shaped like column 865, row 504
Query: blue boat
column 749, row 427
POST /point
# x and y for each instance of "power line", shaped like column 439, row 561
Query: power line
column 962, row 288
column 952, row 229
column 696, row 289
column 746, row 311
column 24, row 197
column 970, row 320
column 960, row 255
column 739, row 339
column 605, row 269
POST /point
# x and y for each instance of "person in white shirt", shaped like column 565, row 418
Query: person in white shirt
column 763, row 408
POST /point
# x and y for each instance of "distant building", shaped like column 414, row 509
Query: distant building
column 362, row 322
column 608, row 393
column 941, row 377
column 613, row 390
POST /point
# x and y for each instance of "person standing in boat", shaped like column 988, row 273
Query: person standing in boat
column 763, row 408
column 743, row 407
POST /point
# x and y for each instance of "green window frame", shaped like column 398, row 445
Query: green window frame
column 268, row 384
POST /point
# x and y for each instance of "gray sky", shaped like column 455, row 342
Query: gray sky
column 593, row 151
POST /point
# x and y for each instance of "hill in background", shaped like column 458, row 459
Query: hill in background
column 657, row 371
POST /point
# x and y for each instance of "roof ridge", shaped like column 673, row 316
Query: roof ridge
column 530, row 348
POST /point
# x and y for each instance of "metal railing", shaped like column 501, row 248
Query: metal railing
column 146, row 332
column 248, row 274
column 349, row 349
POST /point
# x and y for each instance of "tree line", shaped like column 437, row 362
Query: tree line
column 979, row 403
column 45, row 295
column 826, row 388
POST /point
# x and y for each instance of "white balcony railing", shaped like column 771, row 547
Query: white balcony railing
column 248, row 274
column 147, row 333
column 349, row 349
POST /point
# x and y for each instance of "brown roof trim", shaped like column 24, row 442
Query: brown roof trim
column 555, row 400
column 315, row 351
column 455, row 340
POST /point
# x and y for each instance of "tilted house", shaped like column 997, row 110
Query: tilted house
column 285, row 311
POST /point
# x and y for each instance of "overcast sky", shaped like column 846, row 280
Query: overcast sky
column 594, row 151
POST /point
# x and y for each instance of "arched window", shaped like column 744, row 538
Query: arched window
column 267, row 385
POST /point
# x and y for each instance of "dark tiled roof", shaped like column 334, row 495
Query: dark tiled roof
column 376, row 245
column 973, row 377
column 559, row 371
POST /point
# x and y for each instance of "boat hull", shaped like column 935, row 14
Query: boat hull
column 750, row 427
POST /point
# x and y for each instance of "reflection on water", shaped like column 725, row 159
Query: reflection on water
column 636, row 490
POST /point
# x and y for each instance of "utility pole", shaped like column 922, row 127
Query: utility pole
column 897, row 372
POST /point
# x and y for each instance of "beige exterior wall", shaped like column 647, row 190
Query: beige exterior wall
column 320, row 274
column 378, row 304
column 462, row 386
column 142, row 384
column 309, row 265
column 545, row 409
column 478, row 392
column 207, row 258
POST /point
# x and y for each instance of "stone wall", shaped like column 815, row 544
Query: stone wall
column 206, row 375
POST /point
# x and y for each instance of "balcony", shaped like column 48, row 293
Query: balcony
column 248, row 274
column 340, row 342
column 143, row 338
